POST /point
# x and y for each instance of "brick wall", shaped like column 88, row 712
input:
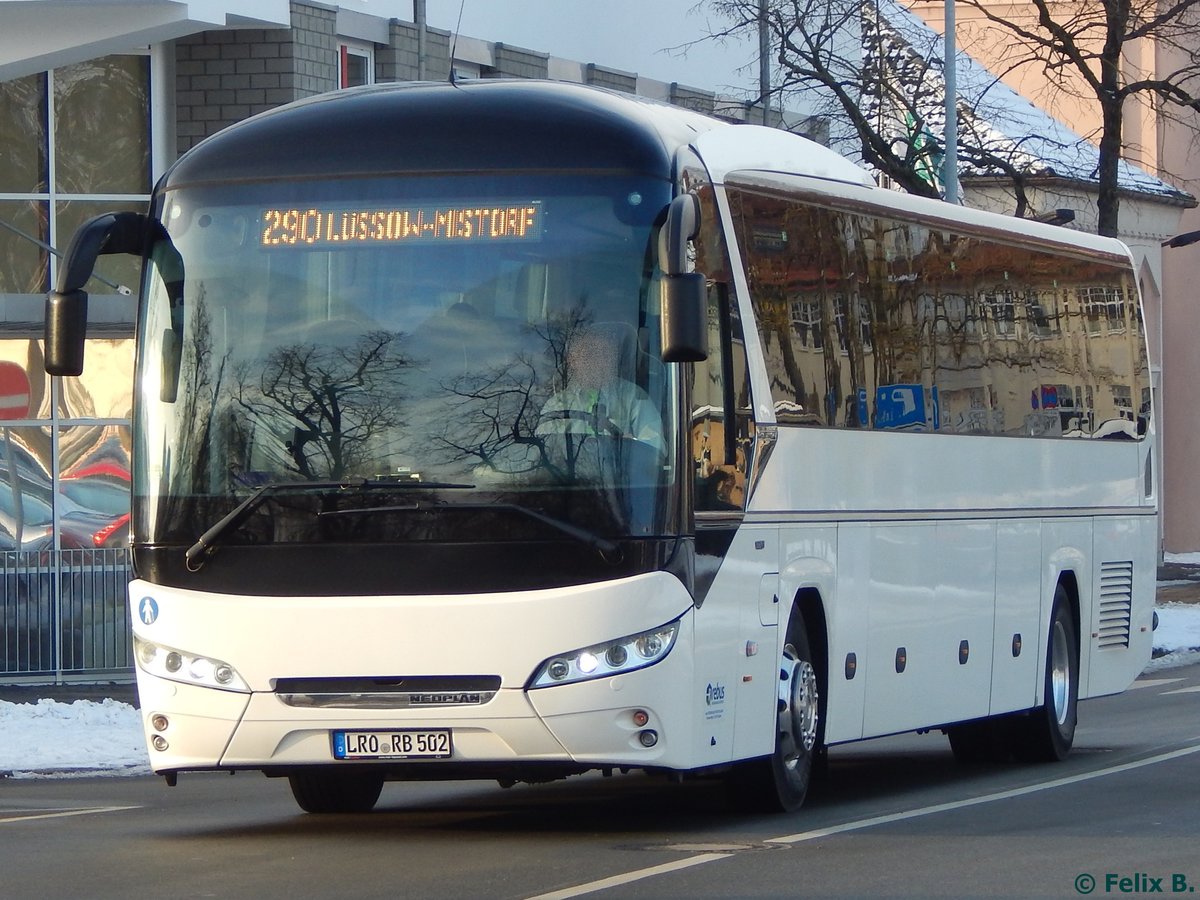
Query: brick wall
column 398, row 62
column 516, row 62
column 222, row 77
column 692, row 98
column 614, row 79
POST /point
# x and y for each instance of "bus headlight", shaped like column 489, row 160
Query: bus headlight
column 634, row 651
column 188, row 668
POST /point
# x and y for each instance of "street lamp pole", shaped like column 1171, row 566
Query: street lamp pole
column 950, row 160
column 764, row 62
column 1182, row 240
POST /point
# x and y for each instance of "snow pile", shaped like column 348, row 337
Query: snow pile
column 80, row 738
column 1177, row 638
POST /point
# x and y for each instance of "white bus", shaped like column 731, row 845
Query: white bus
column 512, row 430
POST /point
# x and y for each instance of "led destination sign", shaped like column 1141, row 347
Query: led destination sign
column 324, row 227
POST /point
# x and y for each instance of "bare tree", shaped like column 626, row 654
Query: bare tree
column 1082, row 49
column 881, row 86
column 855, row 61
column 335, row 399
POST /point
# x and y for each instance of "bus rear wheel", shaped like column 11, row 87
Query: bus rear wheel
column 779, row 782
column 336, row 792
column 1047, row 733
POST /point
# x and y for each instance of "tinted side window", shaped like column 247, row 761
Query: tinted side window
column 870, row 321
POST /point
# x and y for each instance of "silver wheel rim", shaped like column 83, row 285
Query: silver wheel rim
column 798, row 709
column 1060, row 672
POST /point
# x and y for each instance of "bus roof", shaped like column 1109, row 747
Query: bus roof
column 506, row 125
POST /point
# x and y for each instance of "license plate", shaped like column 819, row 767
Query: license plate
column 408, row 744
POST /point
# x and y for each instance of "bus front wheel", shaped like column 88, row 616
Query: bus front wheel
column 336, row 792
column 779, row 782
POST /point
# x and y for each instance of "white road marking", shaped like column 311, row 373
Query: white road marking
column 860, row 824
column 1152, row 682
column 1187, row 690
column 66, row 813
column 629, row 877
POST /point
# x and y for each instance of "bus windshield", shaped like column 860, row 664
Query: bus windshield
column 435, row 350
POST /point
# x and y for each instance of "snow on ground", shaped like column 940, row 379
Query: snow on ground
column 1177, row 638
column 49, row 739
column 64, row 739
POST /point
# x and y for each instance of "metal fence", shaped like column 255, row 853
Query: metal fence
column 65, row 616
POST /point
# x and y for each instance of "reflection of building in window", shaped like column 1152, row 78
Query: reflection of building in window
column 846, row 326
column 1123, row 400
column 806, row 323
column 839, row 322
column 1041, row 313
column 959, row 316
column 1103, row 308
column 864, row 324
column 1001, row 312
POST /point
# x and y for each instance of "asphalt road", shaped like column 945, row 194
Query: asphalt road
column 896, row 817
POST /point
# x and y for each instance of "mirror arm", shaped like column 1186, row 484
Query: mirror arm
column 66, row 306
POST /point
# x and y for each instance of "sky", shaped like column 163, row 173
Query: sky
column 49, row 739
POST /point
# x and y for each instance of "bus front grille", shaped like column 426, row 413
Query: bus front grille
column 399, row 692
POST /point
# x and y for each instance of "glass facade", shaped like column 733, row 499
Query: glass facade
column 74, row 142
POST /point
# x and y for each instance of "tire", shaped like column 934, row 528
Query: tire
column 779, row 782
column 336, row 792
column 1047, row 733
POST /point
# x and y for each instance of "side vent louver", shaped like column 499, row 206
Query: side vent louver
column 1116, row 602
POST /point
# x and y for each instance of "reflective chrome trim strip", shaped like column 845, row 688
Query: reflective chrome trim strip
column 388, row 700
column 782, row 517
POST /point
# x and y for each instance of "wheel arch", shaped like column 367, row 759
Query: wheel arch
column 1069, row 583
column 808, row 602
column 810, row 605
column 1068, row 580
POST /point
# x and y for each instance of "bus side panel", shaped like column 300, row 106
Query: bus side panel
column 1118, row 634
column 1015, row 674
column 731, row 686
column 931, row 624
column 849, row 612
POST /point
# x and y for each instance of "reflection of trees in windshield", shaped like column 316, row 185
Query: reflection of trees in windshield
column 204, row 378
column 468, row 406
column 334, row 401
column 494, row 411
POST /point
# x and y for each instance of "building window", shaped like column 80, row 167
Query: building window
column 74, row 143
column 357, row 64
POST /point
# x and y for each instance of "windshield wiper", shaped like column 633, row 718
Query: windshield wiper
column 609, row 551
column 206, row 544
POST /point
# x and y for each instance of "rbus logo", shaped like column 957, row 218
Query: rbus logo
column 714, row 694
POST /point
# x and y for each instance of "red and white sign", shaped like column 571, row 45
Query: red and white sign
column 14, row 392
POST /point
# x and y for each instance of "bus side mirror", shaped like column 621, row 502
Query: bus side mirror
column 66, row 328
column 683, row 293
column 66, row 306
